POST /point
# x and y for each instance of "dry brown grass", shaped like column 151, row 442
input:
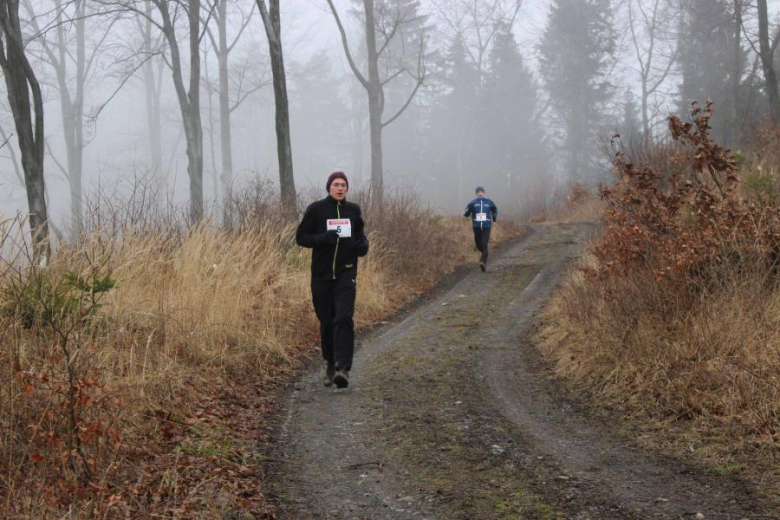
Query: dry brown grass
column 577, row 204
column 712, row 365
column 691, row 356
column 191, row 313
column 701, row 381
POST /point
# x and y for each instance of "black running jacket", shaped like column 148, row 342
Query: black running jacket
column 335, row 231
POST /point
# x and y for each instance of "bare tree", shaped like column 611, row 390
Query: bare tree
column 21, row 81
column 187, row 93
column 767, row 47
column 273, row 29
column 215, row 175
column 389, row 23
column 650, row 23
column 73, row 64
column 733, row 134
column 152, row 74
column 475, row 23
column 223, row 46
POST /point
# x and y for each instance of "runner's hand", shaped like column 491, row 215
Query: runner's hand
column 361, row 246
column 329, row 237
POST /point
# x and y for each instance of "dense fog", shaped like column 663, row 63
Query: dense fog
column 519, row 96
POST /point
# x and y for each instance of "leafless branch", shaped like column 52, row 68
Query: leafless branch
column 54, row 158
column 94, row 116
column 345, row 44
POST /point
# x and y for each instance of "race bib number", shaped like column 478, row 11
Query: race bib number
column 342, row 225
column 481, row 217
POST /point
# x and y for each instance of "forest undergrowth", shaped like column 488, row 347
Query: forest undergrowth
column 673, row 318
column 137, row 365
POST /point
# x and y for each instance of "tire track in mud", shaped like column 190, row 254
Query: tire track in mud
column 450, row 415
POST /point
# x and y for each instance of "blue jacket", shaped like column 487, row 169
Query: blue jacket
column 483, row 212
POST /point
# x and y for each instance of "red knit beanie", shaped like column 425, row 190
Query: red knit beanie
column 334, row 176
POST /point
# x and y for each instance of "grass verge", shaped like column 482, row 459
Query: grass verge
column 673, row 318
column 137, row 366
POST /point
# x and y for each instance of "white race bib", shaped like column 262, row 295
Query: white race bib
column 481, row 217
column 342, row 225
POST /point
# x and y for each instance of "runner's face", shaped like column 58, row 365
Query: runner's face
column 338, row 189
column 480, row 194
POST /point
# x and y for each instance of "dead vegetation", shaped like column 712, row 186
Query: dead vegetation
column 674, row 316
column 136, row 365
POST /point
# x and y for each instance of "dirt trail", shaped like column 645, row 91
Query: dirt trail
column 450, row 415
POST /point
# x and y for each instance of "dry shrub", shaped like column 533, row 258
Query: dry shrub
column 112, row 418
column 675, row 313
column 60, row 434
column 137, row 201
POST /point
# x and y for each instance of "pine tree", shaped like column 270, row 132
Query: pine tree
column 452, row 129
column 706, row 56
column 511, row 140
column 319, row 118
column 576, row 49
column 630, row 129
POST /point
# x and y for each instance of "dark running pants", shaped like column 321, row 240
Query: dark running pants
column 334, row 304
column 481, row 239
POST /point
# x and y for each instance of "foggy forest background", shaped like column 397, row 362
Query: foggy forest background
column 519, row 96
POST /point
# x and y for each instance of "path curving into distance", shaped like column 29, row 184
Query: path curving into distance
column 451, row 415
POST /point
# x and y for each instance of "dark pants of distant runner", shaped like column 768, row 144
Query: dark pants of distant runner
column 334, row 304
column 481, row 239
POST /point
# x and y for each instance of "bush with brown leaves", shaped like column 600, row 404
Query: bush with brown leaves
column 679, row 225
column 674, row 317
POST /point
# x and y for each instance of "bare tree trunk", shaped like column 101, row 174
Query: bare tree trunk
column 647, row 24
column 646, row 132
column 222, row 49
column 189, row 100
column 375, row 107
column 272, row 22
column 195, row 141
column 212, row 151
column 73, row 113
column 20, row 80
column 733, row 136
column 70, row 85
column 766, row 49
column 226, row 139
column 374, row 86
column 153, row 121
column 356, row 132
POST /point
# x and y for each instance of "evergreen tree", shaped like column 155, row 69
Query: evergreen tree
column 318, row 117
column 511, row 140
column 630, row 128
column 576, row 49
column 451, row 139
column 706, row 57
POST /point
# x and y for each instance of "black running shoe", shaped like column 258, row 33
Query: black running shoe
column 483, row 266
column 330, row 373
column 341, row 378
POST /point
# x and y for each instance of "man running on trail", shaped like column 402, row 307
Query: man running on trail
column 333, row 228
column 483, row 213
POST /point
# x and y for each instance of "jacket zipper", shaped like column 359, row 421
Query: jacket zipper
column 336, row 251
